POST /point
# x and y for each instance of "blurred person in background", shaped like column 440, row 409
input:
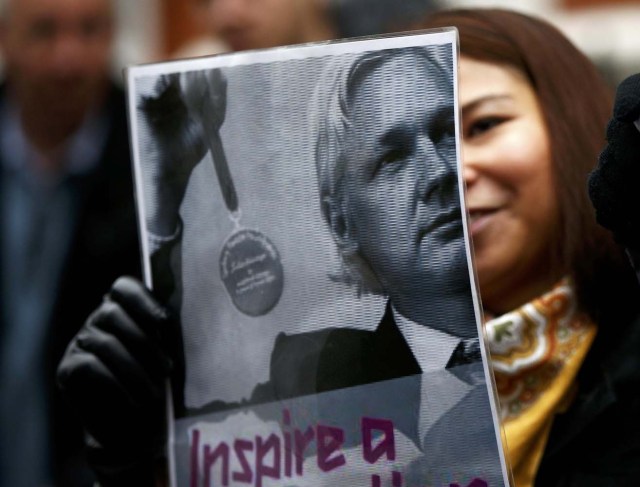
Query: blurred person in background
column 354, row 18
column 67, row 219
column 238, row 25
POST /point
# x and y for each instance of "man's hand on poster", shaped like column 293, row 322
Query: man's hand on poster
column 613, row 185
column 205, row 95
column 114, row 372
column 184, row 112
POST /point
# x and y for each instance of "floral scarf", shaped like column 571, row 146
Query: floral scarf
column 536, row 352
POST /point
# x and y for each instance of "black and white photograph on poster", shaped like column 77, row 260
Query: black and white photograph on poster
column 302, row 213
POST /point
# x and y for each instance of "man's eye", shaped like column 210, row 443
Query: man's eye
column 391, row 157
column 444, row 131
column 483, row 125
column 390, row 160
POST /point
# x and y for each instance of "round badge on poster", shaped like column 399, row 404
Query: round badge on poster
column 250, row 265
column 251, row 270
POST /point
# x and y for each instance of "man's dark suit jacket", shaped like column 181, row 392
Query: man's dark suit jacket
column 104, row 246
column 335, row 358
column 596, row 442
column 331, row 359
column 327, row 360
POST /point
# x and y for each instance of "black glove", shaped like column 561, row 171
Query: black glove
column 114, row 372
column 614, row 186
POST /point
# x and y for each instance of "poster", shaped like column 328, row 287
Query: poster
column 302, row 212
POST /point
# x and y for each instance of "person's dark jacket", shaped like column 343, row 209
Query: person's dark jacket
column 596, row 443
column 104, row 246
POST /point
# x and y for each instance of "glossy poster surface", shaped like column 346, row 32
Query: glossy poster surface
column 302, row 212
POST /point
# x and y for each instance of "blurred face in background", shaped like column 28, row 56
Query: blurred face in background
column 508, row 172
column 256, row 24
column 57, row 54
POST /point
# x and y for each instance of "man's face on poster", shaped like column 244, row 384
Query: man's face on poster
column 402, row 204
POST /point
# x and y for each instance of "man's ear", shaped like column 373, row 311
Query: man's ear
column 339, row 226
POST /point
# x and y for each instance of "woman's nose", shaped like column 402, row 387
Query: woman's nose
column 470, row 164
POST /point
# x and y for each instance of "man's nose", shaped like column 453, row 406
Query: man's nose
column 436, row 176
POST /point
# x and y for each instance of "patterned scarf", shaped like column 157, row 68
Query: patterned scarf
column 536, row 352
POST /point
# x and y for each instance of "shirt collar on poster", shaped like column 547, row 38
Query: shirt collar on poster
column 431, row 348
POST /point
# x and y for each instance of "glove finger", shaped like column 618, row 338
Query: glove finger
column 611, row 186
column 104, row 405
column 143, row 389
column 609, row 181
column 136, row 300
column 112, row 319
column 153, row 319
column 625, row 147
column 613, row 127
column 627, row 102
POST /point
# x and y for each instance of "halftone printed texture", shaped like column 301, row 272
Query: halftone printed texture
column 344, row 159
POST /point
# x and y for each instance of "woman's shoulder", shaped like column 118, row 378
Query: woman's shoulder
column 596, row 442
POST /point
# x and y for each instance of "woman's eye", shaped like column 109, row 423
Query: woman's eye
column 483, row 125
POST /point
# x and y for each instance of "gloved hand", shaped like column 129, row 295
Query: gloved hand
column 614, row 186
column 114, row 372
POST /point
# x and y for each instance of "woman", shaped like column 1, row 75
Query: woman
column 556, row 291
column 554, row 286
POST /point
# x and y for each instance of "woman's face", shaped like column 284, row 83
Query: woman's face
column 510, row 193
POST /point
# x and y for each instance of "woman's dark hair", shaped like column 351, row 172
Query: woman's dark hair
column 576, row 105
